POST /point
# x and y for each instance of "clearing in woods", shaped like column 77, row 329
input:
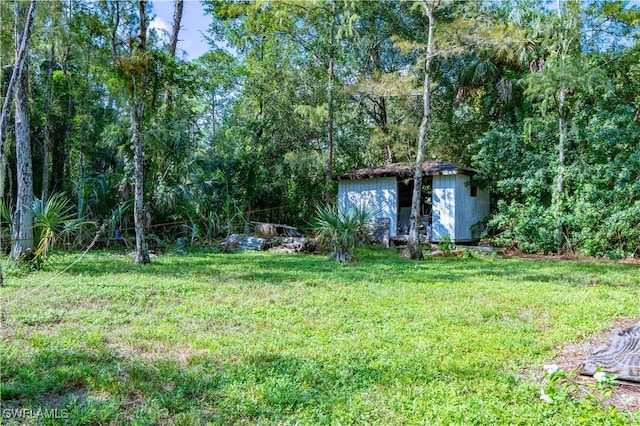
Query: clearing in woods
column 266, row 338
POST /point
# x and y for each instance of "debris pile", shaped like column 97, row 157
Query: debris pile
column 270, row 235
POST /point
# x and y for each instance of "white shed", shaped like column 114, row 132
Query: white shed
column 451, row 205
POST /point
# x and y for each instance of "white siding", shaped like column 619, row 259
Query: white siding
column 444, row 205
column 379, row 192
column 469, row 210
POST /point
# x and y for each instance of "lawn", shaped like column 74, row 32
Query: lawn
column 263, row 338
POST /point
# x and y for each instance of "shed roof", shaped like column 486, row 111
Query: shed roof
column 404, row 170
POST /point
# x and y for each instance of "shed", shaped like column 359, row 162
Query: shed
column 451, row 205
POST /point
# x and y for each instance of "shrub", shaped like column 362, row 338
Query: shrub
column 529, row 227
column 50, row 220
column 342, row 229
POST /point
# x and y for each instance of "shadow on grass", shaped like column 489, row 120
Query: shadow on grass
column 377, row 265
column 107, row 387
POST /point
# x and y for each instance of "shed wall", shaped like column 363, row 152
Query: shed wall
column 444, row 207
column 380, row 192
column 469, row 210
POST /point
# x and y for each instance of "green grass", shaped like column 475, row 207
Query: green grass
column 260, row 338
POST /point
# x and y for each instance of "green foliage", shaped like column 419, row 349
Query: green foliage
column 445, row 245
column 528, row 227
column 249, row 118
column 343, row 229
column 5, row 225
column 119, row 217
column 51, row 220
column 591, row 398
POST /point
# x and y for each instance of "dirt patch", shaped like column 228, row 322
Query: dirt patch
column 568, row 256
column 570, row 357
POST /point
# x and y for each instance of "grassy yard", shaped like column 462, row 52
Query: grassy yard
column 259, row 338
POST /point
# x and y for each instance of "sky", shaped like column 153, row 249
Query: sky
column 195, row 22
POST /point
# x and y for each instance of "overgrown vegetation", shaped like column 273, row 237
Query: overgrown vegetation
column 53, row 221
column 543, row 99
column 267, row 338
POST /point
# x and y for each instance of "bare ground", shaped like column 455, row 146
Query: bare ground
column 571, row 256
column 570, row 357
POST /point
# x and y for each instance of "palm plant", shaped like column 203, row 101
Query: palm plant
column 51, row 219
column 119, row 218
column 5, row 227
column 342, row 229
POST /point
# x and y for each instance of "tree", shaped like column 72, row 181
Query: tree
column 173, row 43
column 48, row 44
column 132, row 68
column 22, row 235
column 22, row 52
column 138, row 92
column 414, row 248
column 383, row 92
column 19, row 68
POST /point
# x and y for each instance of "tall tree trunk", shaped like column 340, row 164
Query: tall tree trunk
column 137, row 112
column 213, row 119
column 22, row 235
column 47, row 127
column 16, row 72
column 61, row 146
column 80, row 186
column 4, row 166
column 65, row 183
column 559, row 192
column 414, row 249
column 330, row 104
column 3, row 173
column 380, row 102
column 173, row 44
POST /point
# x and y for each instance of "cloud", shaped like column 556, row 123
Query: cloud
column 159, row 25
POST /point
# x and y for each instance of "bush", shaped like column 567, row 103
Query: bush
column 51, row 219
column 342, row 229
column 529, row 227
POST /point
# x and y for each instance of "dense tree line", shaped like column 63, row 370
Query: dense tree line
column 545, row 99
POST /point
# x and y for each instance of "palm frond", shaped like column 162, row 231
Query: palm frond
column 342, row 229
column 50, row 219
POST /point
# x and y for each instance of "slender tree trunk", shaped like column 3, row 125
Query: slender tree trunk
column 139, row 89
column 213, row 119
column 60, row 146
column 558, row 195
column 81, row 201
column 380, row 102
column 3, row 173
column 16, row 72
column 173, row 44
column 414, row 249
column 22, row 235
column 4, row 165
column 330, row 104
column 47, row 127
column 559, row 192
column 65, row 183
